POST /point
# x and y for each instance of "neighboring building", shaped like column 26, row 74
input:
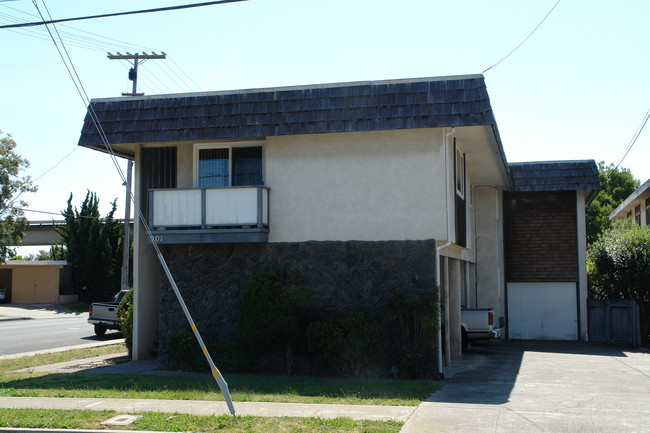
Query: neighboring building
column 545, row 247
column 636, row 207
column 365, row 187
column 37, row 282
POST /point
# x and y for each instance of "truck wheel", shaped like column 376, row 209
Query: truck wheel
column 100, row 330
column 464, row 338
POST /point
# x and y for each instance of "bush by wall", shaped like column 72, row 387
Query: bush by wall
column 273, row 312
column 125, row 315
column 414, row 322
column 351, row 345
column 186, row 354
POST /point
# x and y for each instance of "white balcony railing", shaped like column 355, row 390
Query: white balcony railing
column 209, row 208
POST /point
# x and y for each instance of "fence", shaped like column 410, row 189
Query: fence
column 614, row 321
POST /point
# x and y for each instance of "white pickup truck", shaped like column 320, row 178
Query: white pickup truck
column 478, row 325
column 475, row 324
column 103, row 315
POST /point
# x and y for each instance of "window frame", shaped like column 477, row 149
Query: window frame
column 226, row 145
column 459, row 168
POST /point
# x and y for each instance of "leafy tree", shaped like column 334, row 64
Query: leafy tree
column 94, row 246
column 616, row 184
column 618, row 267
column 12, row 185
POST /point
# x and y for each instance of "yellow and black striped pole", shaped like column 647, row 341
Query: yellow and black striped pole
column 218, row 377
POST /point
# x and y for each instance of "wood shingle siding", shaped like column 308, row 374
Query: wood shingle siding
column 541, row 236
column 348, row 107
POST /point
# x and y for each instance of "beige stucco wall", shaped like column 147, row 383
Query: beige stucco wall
column 34, row 283
column 489, row 250
column 357, row 186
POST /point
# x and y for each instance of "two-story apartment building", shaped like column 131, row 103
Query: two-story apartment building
column 636, row 207
column 366, row 187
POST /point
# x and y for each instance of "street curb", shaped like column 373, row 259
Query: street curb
column 10, row 319
column 63, row 349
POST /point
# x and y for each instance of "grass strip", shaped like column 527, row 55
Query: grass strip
column 253, row 388
column 156, row 421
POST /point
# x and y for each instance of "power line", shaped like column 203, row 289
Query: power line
column 522, row 42
column 143, row 11
column 634, row 138
column 54, row 166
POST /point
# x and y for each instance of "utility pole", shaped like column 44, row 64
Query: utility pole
column 126, row 245
column 138, row 59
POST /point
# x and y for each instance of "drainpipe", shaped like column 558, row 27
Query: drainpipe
column 439, row 336
column 441, row 247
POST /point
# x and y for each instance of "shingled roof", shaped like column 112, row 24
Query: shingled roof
column 555, row 176
column 361, row 106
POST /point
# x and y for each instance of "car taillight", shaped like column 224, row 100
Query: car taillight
column 90, row 310
column 490, row 318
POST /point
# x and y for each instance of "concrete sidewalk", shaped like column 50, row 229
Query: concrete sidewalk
column 35, row 311
column 205, row 408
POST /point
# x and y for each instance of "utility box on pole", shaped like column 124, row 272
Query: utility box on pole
column 138, row 59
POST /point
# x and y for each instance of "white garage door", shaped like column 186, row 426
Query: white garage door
column 542, row 311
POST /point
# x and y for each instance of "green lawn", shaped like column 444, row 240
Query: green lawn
column 242, row 387
column 155, row 421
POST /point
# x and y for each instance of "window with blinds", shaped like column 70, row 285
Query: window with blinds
column 230, row 166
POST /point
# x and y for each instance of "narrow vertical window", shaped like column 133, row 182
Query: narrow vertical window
column 460, row 173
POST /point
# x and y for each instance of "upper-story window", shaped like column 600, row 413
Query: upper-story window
column 637, row 214
column 459, row 172
column 647, row 211
column 228, row 165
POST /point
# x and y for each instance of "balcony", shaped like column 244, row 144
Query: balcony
column 209, row 215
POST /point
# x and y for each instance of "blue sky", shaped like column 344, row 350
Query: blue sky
column 577, row 89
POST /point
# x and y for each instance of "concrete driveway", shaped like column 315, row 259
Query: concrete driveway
column 541, row 386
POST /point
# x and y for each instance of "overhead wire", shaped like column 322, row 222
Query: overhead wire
column 525, row 39
column 116, row 14
column 184, row 73
column 100, row 43
column 634, row 138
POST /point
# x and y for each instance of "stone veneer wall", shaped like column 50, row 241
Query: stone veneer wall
column 346, row 276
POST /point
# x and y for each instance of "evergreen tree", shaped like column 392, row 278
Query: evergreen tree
column 94, row 246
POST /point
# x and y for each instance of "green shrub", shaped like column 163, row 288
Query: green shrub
column 414, row 322
column 185, row 354
column 183, row 349
column 125, row 315
column 230, row 356
column 352, row 345
column 273, row 310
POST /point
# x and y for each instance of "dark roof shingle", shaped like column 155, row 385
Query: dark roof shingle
column 554, row 176
column 367, row 106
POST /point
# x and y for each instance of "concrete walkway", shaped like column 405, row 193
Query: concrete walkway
column 205, row 408
column 541, row 387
